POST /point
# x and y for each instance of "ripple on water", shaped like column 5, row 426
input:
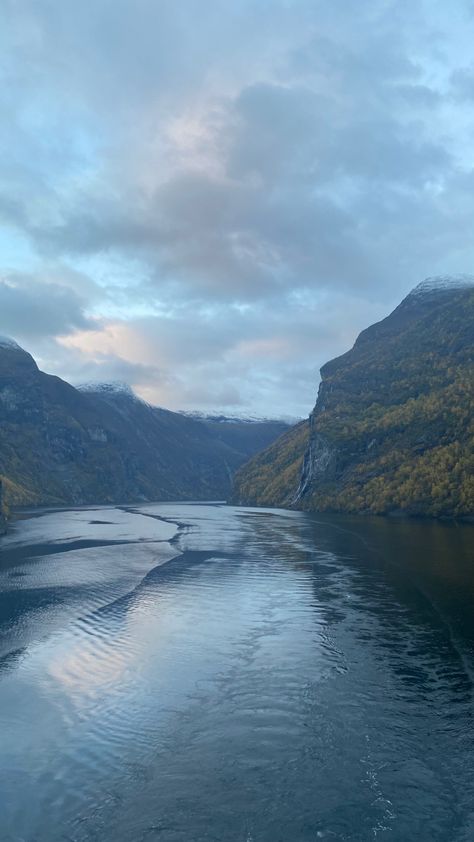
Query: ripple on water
column 270, row 682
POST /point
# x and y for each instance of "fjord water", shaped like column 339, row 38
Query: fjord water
column 190, row 672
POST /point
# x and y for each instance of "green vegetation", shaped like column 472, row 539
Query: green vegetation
column 60, row 445
column 393, row 427
column 272, row 477
column 3, row 511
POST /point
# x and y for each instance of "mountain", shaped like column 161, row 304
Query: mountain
column 3, row 512
column 245, row 435
column 272, row 477
column 101, row 443
column 393, row 426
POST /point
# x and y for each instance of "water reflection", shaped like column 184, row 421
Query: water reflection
column 236, row 674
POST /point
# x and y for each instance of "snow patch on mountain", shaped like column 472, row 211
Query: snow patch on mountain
column 115, row 387
column 222, row 418
column 443, row 283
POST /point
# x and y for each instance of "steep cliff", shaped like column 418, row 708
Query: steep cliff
column 63, row 445
column 393, row 427
column 272, row 477
column 3, row 513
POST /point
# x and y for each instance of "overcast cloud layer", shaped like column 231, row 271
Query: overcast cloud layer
column 209, row 200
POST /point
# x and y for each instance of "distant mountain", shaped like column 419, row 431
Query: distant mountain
column 393, row 427
column 101, row 443
column 243, row 434
column 222, row 418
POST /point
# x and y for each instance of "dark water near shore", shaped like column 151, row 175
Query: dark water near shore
column 196, row 672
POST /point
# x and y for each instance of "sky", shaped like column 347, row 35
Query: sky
column 209, row 200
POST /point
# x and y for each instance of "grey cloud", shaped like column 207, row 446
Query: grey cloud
column 108, row 368
column 122, row 57
column 462, row 83
column 286, row 151
column 295, row 133
column 29, row 308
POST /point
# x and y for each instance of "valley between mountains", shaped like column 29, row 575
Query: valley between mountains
column 392, row 431
column 102, row 444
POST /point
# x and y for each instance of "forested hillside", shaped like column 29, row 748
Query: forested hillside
column 273, row 476
column 61, row 445
column 393, row 427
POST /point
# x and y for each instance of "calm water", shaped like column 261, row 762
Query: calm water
column 196, row 672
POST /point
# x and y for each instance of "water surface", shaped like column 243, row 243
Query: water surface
column 190, row 672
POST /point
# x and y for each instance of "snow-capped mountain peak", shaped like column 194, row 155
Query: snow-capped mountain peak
column 115, row 387
column 223, row 418
column 443, row 283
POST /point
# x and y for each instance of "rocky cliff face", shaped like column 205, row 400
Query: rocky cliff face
column 63, row 445
column 392, row 430
column 272, row 477
column 3, row 516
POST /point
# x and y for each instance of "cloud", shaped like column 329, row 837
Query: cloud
column 221, row 196
column 29, row 308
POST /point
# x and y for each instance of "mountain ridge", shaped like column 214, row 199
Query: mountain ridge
column 61, row 445
column 392, row 431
